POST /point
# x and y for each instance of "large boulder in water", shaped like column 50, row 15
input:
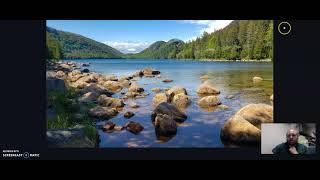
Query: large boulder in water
column 110, row 102
column 245, row 125
column 238, row 130
column 209, row 101
column 71, row 138
column 165, row 125
column 159, row 98
column 170, row 110
column 207, row 89
column 257, row 114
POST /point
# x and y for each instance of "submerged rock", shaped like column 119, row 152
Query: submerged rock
column 209, row 101
column 230, row 96
column 167, row 80
column 134, row 105
column 223, row 107
column 207, row 89
column 134, row 127
column 170, row 110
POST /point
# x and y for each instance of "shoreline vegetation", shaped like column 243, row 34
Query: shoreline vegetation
column 78, row 99
column 208, row 60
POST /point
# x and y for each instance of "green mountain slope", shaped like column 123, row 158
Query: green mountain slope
column 76, row 46
column 160, row 50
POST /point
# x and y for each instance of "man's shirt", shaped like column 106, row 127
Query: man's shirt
column 284, row 149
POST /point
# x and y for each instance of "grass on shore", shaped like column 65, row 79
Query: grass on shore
column 66, row 106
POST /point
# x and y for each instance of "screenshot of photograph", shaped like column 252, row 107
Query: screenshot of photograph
column 158, row 83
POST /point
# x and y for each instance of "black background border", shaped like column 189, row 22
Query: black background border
column 22, row 127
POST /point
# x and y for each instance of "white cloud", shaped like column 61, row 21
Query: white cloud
column 208, row 25
column 132, row 49
column 191, row 39
column 128, row 46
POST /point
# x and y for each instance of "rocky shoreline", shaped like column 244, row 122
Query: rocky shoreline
column 95, row 102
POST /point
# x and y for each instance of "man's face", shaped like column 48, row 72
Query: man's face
column 292, row 137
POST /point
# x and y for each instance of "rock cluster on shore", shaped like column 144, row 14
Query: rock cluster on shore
column 95, row 89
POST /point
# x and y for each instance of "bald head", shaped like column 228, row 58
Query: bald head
column 292, row 136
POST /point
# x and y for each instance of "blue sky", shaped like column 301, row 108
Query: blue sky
column 132, row 36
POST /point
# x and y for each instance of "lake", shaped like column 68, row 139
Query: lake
column 202, row 127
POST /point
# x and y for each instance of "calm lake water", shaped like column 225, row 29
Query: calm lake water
column 202, row 128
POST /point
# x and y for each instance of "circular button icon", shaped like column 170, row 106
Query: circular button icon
column 26, row 155
column 284, row 28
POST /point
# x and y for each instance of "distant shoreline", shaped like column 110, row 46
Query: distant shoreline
column 205, row 60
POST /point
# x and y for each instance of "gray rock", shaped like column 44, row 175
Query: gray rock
column 54, row 84
column 70, row 138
